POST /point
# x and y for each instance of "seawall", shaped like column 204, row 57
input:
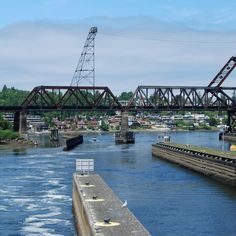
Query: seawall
column 99, row 212
column 221, row 168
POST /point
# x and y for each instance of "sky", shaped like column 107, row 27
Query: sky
column 139, row 42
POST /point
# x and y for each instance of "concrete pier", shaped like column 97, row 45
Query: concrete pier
column 99, row 212
column 20, row 122
column 124, row 135
column 221, row 168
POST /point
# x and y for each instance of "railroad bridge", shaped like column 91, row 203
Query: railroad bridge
column 145, row 98
column 213, row 97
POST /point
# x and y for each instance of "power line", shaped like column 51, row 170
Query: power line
column 170, row 40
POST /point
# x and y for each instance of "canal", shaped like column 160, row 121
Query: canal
column 36, row 185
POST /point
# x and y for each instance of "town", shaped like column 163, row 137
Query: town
column 165, row 121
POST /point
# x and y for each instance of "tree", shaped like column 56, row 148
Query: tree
column 5, row 125
column 213, row 121
column 125, row 96
column 12, row 96
column 4, row 88
column 104, row 126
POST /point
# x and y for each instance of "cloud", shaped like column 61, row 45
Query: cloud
column 128, row 54
column 180, row 12
column 223, row 16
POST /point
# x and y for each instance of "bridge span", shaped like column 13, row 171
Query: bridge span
column 145, row 98
column 214, row 97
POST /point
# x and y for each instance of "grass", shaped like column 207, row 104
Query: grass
column 8, row 134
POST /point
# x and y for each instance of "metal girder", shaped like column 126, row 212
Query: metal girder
column 149, row 98
column 223, row 73
column 82, row 98
column 161, row 98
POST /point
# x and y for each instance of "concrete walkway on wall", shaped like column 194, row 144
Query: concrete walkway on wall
column 98, row 211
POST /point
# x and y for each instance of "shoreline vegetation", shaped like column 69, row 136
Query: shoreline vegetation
column 11, row 139
column 8, row 134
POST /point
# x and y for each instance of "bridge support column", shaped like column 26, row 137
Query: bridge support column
column 16, row 125
column 231, row 122
column 124, row 122
column 124, row 136
column 20, row 122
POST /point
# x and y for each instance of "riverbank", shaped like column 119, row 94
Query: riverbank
column 76, row 132
column 16, row 143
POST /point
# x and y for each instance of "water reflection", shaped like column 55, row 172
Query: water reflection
column 19, row 151
column 128, row 159
column 43, row 140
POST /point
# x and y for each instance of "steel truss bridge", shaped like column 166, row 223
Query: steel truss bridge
column 145, row 98
column 214, row 97
column 151, row 98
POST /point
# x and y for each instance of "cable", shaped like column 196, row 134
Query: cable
column 170, row 40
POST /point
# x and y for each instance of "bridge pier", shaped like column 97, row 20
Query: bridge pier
column 20, row 122
column 16, row 124
column 229, row 133
column 231, row 122
column 124, row 136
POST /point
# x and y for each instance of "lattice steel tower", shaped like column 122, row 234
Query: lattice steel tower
column 85, row 69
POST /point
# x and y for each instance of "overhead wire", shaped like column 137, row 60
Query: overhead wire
column 169, row 40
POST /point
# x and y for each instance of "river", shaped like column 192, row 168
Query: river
column 36, row 186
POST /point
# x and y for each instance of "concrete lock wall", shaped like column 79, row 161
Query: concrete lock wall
column 94, row 202
column 81, row 218
column 218, row 171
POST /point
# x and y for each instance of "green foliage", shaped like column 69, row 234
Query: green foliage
column 5, row 125
column 204, row 126
column 4, row 88
column 12, row 96
column 225, row 120
column 181, row 124
column 125, row 96
column 213, row 121
column 47, row 117
column 104, row 126
column 8, row 134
